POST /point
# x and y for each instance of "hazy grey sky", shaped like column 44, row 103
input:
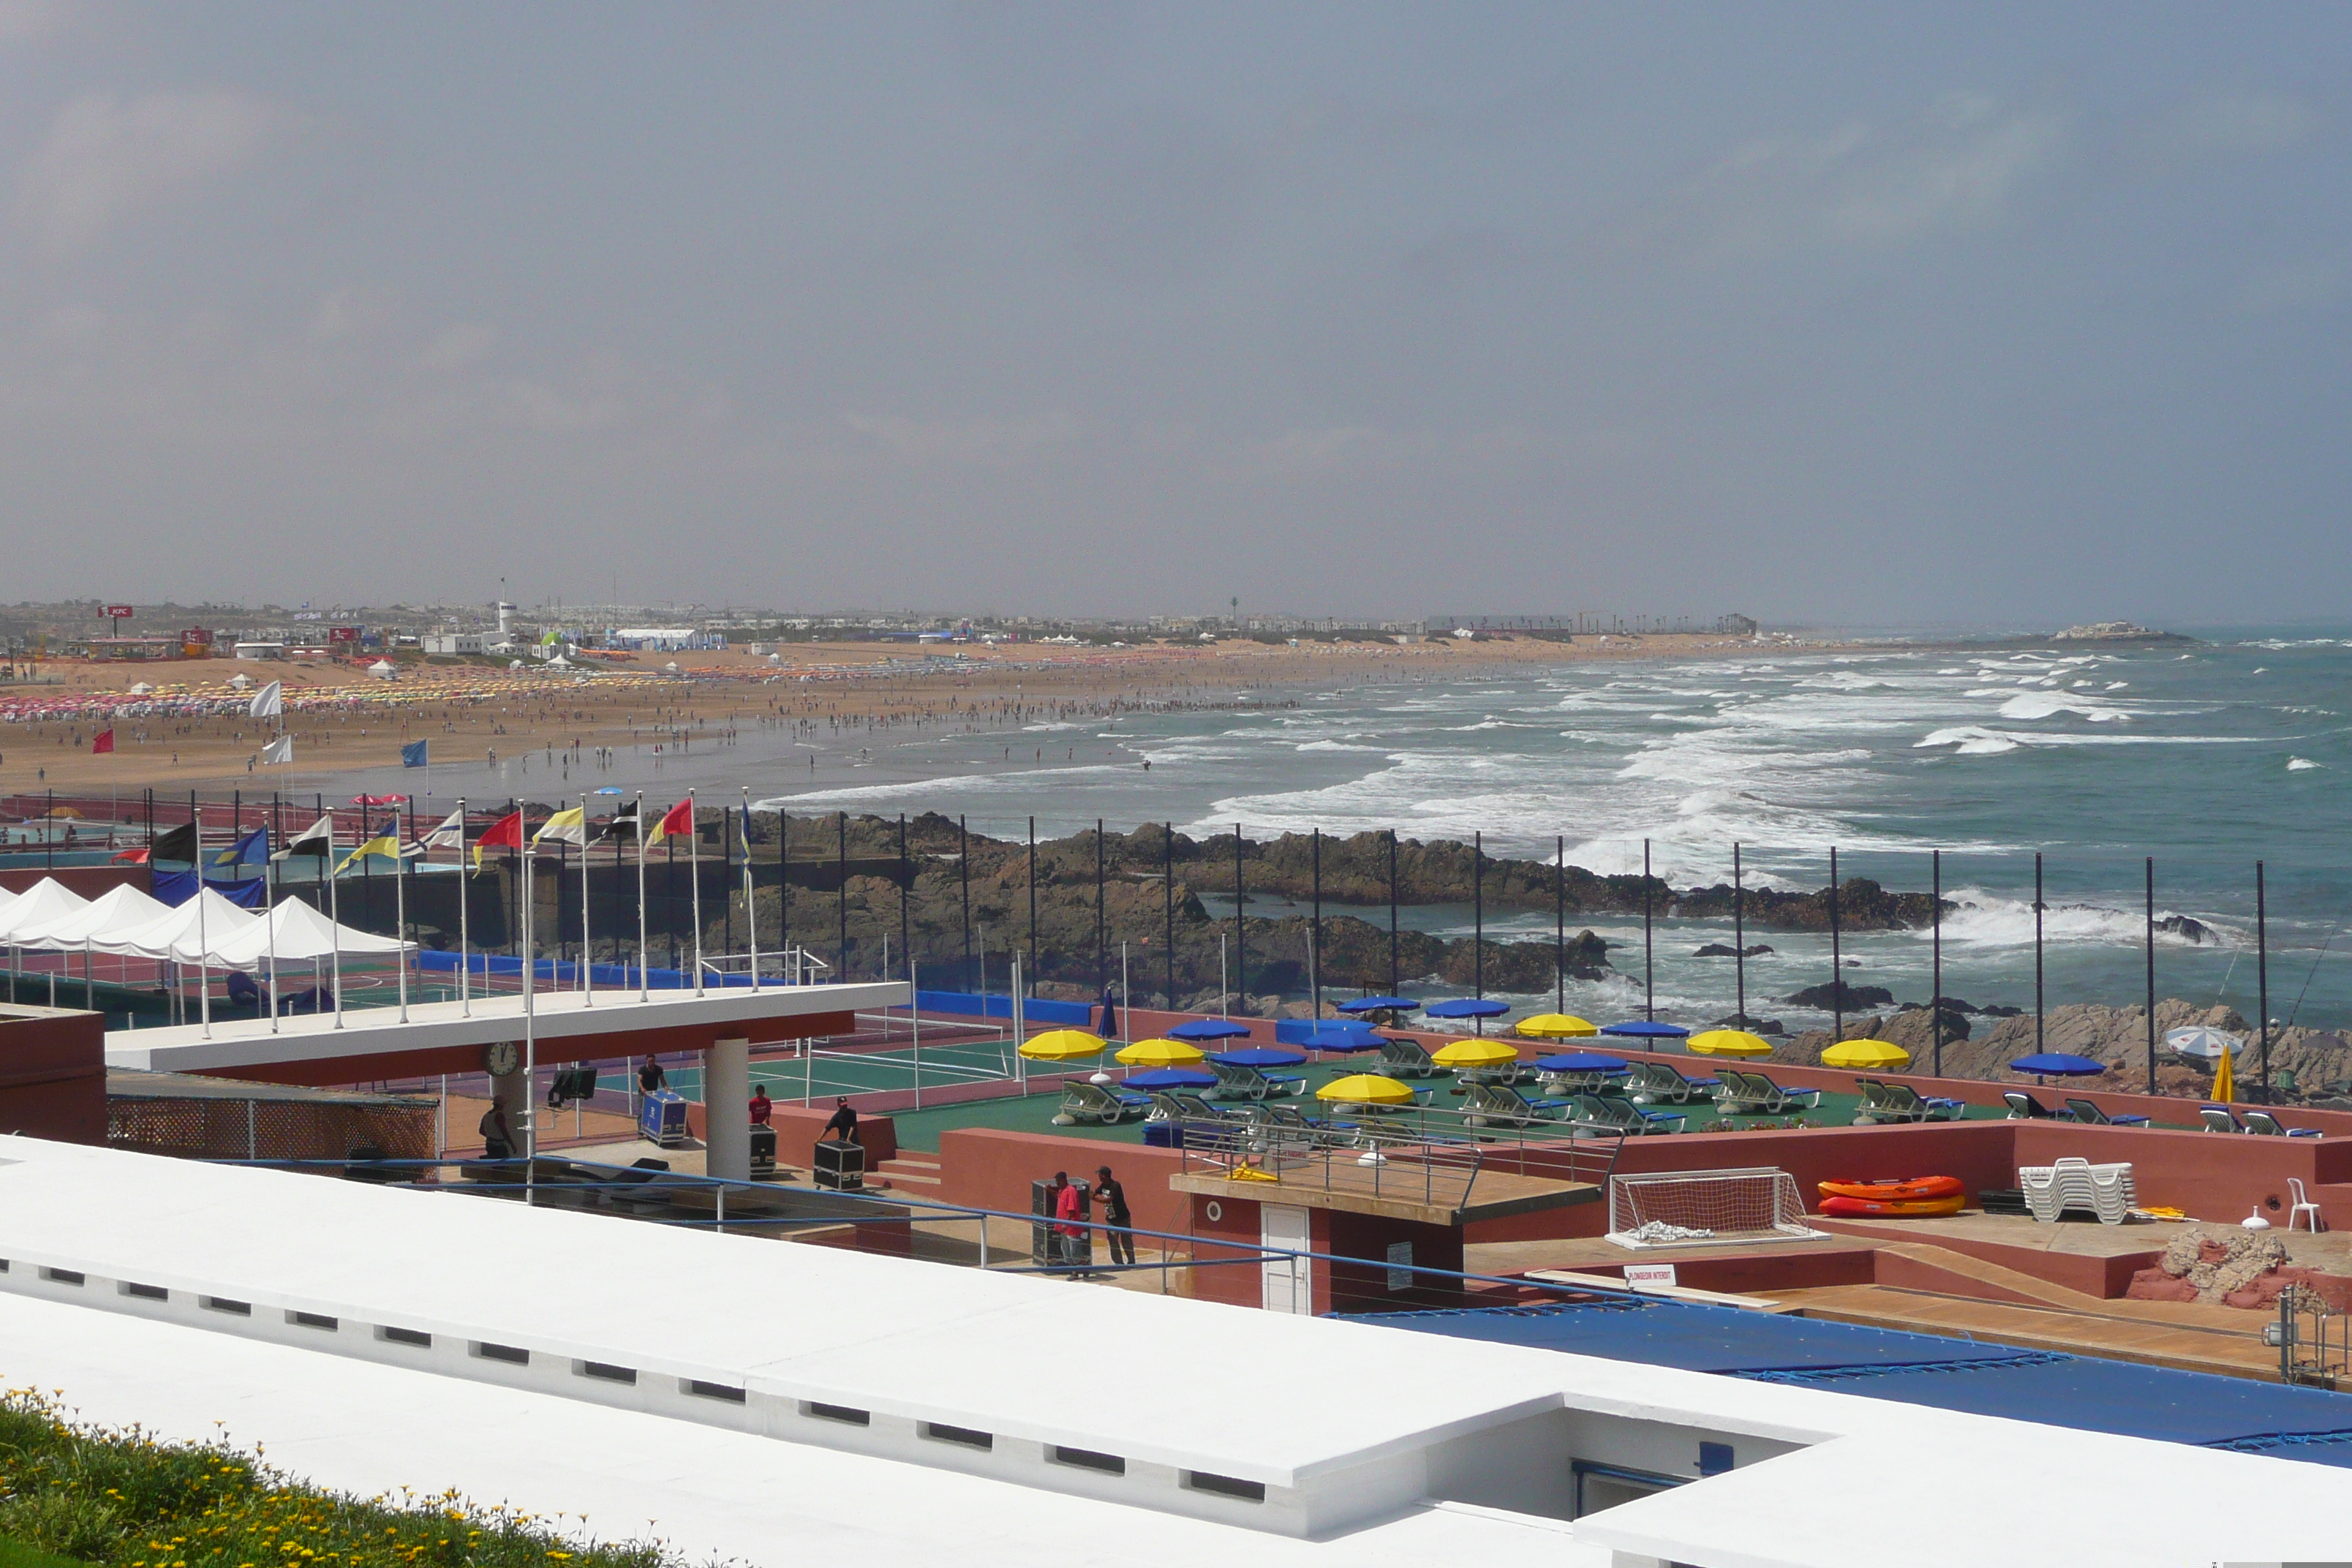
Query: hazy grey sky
column 1878, row 313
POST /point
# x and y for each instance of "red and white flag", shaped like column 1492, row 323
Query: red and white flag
column 103, row 742
column 505, row 832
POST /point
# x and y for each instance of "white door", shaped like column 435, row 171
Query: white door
column 1288, row 1287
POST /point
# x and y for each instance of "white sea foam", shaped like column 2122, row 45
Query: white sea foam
column 2298, row 764
column 1972, row 741
column 1986, row 919
column 2025, row 707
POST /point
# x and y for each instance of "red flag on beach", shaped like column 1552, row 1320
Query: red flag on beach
column 102, row 741
column 678, row 818
column 506, row 832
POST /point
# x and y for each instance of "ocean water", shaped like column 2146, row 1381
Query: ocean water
column 2207, row 758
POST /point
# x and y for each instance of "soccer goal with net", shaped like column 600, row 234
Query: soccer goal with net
column 1690, row 1208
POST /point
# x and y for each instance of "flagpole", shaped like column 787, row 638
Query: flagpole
column 587, row 953
column 335, row 916
column 464, row 944
column 269, row 914
column 204, row 968
column 530, row 1032
column 694, row 868
column 750, row 909
column 641, row 895
column 400, row 903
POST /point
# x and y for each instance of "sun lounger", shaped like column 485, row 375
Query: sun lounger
column 1183, row 1105
column 1095, row 1104
column 1502, row 1105
column 1407, row 1058
column 1754, row 1094
column 1655, row 1083
column 1615, row 1113
column 2263, row 1122
column 2084, row 1111
column 1884, row 1101
column 2106, row 1191
column 1566, row 1085
column 1237, row 1081
column 2023, row 1107
column 2219, row 1119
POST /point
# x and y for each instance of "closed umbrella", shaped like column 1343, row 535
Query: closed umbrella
column 1556, row 1027
column 2225, row 1079
column 1582, row 1062
column 1061, row 1046
column 1864, row 1054
column 1260, row 1056
column 1159, row 1053
column 1475, row 1054
column 1380, row 1004
column 1365, row 1088
column 1730, row 1043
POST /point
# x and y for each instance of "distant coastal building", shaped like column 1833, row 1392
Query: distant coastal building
column 1584, row 622
column 2115, row 631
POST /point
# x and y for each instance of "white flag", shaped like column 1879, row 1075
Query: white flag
column 280, row 750
column 450, row 834
column 319, row 838
column 269, row 703
column 564, row 826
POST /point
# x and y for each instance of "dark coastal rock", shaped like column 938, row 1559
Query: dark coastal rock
column 1721, row 950
column 1838, row 996
column 2196, row 931
column 1753, row 1025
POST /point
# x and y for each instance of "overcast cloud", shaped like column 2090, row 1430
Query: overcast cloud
column 1869, row 314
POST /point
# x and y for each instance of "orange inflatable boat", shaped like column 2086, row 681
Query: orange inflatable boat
column 1897, row 1189
column 1872, row 1208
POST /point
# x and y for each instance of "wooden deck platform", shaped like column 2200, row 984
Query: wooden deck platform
column 1395, row 1191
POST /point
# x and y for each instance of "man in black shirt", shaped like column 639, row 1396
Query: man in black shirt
column 1113, row 1198
column 844, row 1124
column 650, row 1077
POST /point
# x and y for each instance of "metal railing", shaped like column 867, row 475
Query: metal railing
column 2313, row 1340
column 930, row 1229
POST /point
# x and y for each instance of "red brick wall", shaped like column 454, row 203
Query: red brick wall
column 53, row 1074
column 991, row 1169
column 88, row 881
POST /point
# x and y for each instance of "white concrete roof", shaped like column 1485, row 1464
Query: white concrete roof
column 1165, row 1381
column 560, row 1015
column 710, row 1495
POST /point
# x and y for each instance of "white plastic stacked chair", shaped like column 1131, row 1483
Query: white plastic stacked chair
column 2105, row 1191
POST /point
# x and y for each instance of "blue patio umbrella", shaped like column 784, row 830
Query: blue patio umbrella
column 1210, row 1030
column 1467, row 1007
column 1380, row 1004
column 1645, row 1029
column 1109, row 1030
column 1172, row 1078
column 2057, row 1064
column 608, row 789
column 1581, row 1061
column 1259, row 1057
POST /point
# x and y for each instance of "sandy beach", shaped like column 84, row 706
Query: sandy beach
column 189, row 730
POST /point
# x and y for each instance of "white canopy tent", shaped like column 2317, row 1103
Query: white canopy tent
column 116, row 911
column 189, row 932
column 27, row 920
column 299, row 933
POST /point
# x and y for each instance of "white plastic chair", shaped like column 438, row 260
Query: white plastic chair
column 2302, row 1205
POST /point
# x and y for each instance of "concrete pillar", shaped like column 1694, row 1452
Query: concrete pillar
column 727, row 1110
column 513, row 1092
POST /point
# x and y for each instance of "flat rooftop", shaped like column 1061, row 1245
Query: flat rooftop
column 1375, row 1443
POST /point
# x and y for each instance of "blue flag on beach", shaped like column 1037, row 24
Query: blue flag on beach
column 416, row 755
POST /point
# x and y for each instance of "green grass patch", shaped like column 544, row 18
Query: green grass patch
column 86, row 1494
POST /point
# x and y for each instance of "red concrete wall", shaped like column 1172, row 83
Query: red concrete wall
column 1363, row 1288
column 991, row 1169
column 1743, row 1272
column 53, row 1074
column 88, row 881
column 1236, row 1283
column 798, row 1130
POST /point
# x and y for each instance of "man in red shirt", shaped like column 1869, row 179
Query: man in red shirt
column 1069, row 1205
column 763, row 1108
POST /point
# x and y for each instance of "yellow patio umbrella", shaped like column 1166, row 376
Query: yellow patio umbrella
column 1475, row 1053
column 1159, row 1053
column 1556, row 1027
column 1864, row 1054
column 1729, row 1043
column 2225, row 1081
column 1366, row 1089
column 1061, row 1046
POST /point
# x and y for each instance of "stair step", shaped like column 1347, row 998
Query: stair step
column 904, row 1179
column 911, row 1163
